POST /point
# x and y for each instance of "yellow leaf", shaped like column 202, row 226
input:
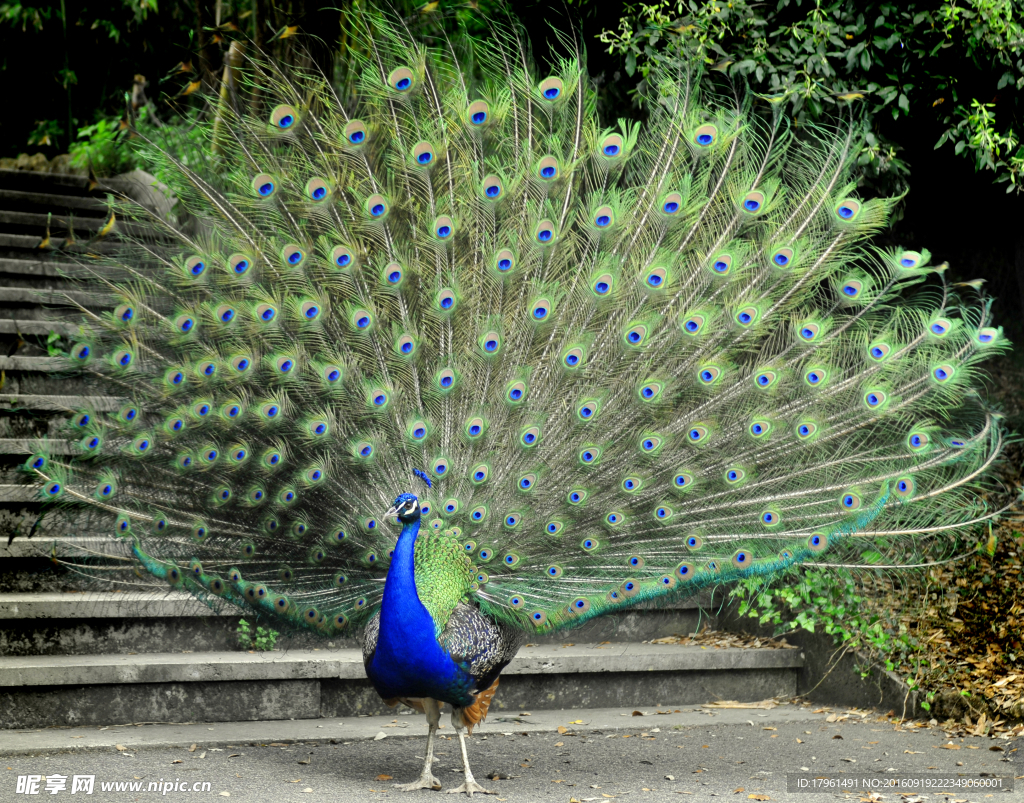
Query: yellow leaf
column 384, row 777
column 559, row 744
column 562, row 729
column 758, row 796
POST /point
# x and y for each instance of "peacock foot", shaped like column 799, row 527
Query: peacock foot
column 426, row 781
column 469, row 787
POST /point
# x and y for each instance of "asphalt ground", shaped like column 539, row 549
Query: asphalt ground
column 685, row 755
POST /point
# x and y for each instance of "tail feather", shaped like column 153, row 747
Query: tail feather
column 632, row 362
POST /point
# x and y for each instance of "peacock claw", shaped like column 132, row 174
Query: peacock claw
column 425, row 781
column 469, row 787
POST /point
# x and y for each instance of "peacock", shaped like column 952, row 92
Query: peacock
column 440, row 357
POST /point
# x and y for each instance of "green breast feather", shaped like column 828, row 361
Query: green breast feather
column 444, row 575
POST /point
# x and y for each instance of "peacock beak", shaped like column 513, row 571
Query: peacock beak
column 392, row 512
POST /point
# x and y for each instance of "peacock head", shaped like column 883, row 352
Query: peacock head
column 406, row 508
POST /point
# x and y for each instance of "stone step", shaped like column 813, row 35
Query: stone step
column 24, row 245
column 36, row 265
column 60, row 184
column 79, row 226
column 310, row 684
column 29, row 201
column 12, row 326
column 40, row 296
column 51, row 403
column 27, row 446
column 58, row 623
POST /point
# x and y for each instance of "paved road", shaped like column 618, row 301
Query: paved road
column 724, row 754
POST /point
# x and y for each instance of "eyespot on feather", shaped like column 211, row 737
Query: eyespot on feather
column 847, row 210
column 671, row 204
column 697, row 434
column 401, row 79
column 492, row 187
column 283, row 117
column 805, row 430
column 611, row 147
column 602, row 285
column 759, row 428
column 544, row 233
column 589, row 456
column 423, row 154
column 293, row 255
column 577, row 496
column 265, row 313
column 551, row 89
column 547, row 168
column 264, row 185
column 656, row 278
column 705, row 136
column 875, row 399
column 478, row 113
column 636, row 335
column 783, row 258
column 195, row 266
column 376, row 206
column 603, row 217
column 356, row 133
column 721, row 265
column 693, row 325
column 318, row 190
column 504, row 261
column 850, row 501
column 904, row 487
column 753, row 202
column 747, row 316
column 817, row 542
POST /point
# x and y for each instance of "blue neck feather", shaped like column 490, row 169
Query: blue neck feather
column 409, row 662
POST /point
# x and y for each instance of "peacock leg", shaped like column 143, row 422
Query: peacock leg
column 427, row 780
column 469, row 785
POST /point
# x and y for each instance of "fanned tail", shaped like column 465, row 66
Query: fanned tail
column 631, row 362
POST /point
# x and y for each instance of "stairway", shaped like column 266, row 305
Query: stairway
column 69, row 656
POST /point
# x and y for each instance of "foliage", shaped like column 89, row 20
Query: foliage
column 103, row 147
column 959, row 634
column 261, row 639
column 940, row 60
column 839, row 603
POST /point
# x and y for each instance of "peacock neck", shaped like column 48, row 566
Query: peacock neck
column 401, row 604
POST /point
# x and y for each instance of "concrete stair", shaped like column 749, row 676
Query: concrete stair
column 52, row 691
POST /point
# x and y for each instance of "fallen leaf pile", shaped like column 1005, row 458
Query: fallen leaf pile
column 721, row 640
